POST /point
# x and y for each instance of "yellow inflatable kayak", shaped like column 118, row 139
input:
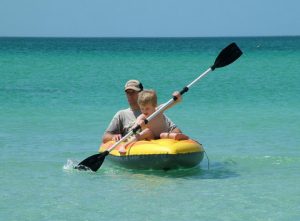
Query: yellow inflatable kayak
column 157, row 154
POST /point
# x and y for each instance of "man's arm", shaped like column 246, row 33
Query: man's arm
column 107, row 136
column 113, row 131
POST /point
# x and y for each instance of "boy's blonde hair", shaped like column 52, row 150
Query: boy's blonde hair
column 147, row 97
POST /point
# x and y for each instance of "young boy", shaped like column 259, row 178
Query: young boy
column 158, row 127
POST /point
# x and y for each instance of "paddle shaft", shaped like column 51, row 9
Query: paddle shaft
column 171, row 101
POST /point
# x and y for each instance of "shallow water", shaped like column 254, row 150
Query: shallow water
column 58, row 95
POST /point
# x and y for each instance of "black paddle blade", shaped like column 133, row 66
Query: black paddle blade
column 92, row 163
column 227, row 56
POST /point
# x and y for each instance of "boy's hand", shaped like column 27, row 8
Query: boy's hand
column 141, row 120
column 177, row 95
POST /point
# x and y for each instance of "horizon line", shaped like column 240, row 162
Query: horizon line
column 241, row 36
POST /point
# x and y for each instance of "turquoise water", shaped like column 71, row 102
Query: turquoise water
column 58, row 95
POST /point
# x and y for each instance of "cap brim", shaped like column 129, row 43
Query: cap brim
column 133, row 88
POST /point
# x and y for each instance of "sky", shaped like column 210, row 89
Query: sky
column 149, row 18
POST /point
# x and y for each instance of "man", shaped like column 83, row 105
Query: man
column 122, row 122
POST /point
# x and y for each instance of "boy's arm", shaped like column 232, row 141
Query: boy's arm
column 176, row 130
column 178, row 99
column 140, row 120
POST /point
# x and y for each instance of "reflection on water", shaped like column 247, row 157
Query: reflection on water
column 216, row 170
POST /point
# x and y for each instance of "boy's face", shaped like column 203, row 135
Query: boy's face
column 147, row 109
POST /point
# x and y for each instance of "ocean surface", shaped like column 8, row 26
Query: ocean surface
column 57, row 96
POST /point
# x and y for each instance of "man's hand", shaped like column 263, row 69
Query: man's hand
column 116, row 137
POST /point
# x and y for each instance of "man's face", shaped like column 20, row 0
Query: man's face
column 132, row 97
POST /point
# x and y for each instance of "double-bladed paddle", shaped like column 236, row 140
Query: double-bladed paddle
column 225, row 57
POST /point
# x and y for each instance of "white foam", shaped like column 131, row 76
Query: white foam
column 70, row 165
